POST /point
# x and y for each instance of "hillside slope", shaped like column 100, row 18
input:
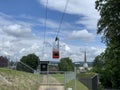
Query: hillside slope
column 16, row 80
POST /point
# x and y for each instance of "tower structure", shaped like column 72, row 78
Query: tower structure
column 85, row 65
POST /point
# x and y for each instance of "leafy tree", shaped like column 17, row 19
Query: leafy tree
column 109, row 23
column 98, row 63
column 3, row 61
column 28, row 63
column 99, row 66
column 109, row 27
column 66, row 64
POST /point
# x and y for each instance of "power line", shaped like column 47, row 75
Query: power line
column 59, row 28
column 45, row 22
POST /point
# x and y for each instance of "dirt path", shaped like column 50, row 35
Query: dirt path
column 53, row 81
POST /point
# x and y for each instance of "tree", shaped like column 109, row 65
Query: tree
column 99, row 67
column 3, row 61
column 109, row 27
column 109, row 23
column 28, row 63
column 66, row 64
column 98, row 63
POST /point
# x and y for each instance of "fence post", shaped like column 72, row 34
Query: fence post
column 75, row 76
column 64, row 80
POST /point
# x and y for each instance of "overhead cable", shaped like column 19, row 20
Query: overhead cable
column 45, row 23
column 61, row 21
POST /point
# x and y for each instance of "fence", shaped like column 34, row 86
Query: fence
column 27, row 80
column 17, row 80
column 58, row 79
column 91, row 83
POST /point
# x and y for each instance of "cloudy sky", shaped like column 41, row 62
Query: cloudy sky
column 26, row 26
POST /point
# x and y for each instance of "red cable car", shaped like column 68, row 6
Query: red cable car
column 56, row 53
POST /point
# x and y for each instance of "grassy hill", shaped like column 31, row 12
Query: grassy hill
column 16, row 80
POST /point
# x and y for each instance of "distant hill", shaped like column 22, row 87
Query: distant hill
column 81, row 63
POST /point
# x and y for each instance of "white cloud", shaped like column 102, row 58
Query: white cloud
column 16, row 35
column 53, row 24
column 89, row 22
column 22, row 50
column 65, row 47
column 77, row 53
column 49, row 23
column 17, row 30
column 86, row 8
column 17, row 46
column 4, row 53
column 13, row 27
column 83, row 35
column 4, row 21
column 7, row 44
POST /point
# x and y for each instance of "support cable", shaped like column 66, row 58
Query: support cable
column 61, row 21
column 45, row 22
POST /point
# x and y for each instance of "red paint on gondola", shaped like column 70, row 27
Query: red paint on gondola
column 55, row 54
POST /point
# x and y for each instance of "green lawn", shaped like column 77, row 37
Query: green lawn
column 86, row 75
column 79, row 85
column 19, row 80
column 71, row 84
column 59, row 77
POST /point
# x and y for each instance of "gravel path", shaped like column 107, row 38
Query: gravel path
column 50, row 87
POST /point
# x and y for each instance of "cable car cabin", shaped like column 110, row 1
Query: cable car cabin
column 56, row 49
column 55, row 53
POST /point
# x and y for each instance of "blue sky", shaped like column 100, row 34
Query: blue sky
column 22, row 27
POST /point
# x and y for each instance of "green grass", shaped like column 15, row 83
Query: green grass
column 71, row 84
column 59, row 77
column 86, row 75
column 19, row 80
column 79, row 85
